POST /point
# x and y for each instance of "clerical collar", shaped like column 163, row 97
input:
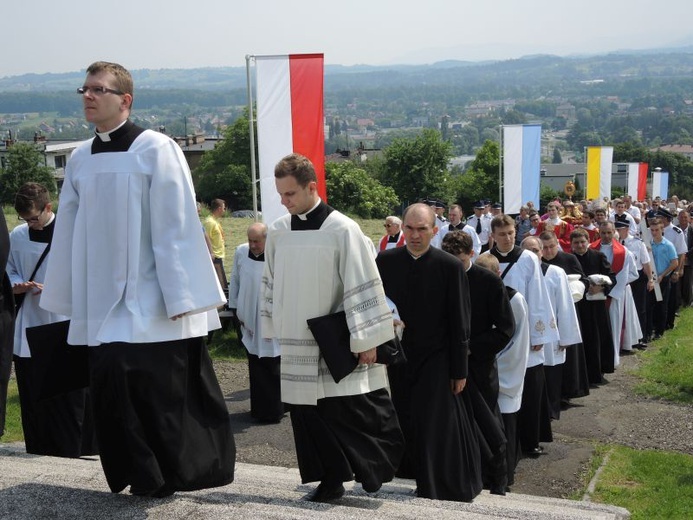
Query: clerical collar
column 460, row 225
column 120, row 139
column 311, row 220
column 257, row 258
column 606, row 245
column 393, row 238
column 44, row 235
column 106, row 136
column 304, row 216
column 415, row 257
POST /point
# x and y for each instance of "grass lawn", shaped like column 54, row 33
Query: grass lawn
column 650, row 484
column 13, row 422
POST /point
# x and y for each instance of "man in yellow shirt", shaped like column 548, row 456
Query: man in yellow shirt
column 215, row 232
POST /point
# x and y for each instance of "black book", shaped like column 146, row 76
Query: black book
column 332, row 334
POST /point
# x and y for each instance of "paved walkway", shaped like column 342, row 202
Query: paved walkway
column 35, row 487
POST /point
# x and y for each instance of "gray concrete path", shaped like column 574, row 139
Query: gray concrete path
column 36, row 487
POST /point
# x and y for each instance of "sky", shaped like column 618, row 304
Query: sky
column 67, row 35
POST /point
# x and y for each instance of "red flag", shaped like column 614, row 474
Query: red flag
column 289, row 120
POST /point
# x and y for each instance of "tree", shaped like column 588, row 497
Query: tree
column 481, row 179
column 417, row 168
column 224, row 172
column 351, row 190
column 557, row 159
column 25, row 163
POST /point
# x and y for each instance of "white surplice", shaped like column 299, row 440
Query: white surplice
column 24, row 255
column 128, row 252
column 244, row 296
column 512, row 360
column 566, row 316
column 313, row 273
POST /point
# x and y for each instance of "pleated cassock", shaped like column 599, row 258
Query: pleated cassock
column 596, row 324
column 442, row 447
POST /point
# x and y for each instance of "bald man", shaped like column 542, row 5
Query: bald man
column 263, row 353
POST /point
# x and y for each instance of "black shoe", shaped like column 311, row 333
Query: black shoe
column 656, row 337
column 640, row 346
column 626, row 352
column 325, row 493
column 163, row 492
column 498, row 490
column 534, row 452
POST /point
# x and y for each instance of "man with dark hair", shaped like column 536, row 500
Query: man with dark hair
column 130, row 267
column 442, row 450
column 455, row 223
column 596, row 332
column 60, row 425
column 492, row 326
column 521, row 270
column 574, row 380
column 318, row 262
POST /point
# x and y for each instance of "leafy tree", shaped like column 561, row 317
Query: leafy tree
column 480, row 181
column 351, row 190
column 417, row 168
column 557, row 159
column 224, row 172
column 25, row 163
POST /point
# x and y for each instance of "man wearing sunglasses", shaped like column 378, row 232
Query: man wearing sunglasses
column 131, row 268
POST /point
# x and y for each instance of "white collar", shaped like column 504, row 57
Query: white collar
column 304, row 216
column 106, row 136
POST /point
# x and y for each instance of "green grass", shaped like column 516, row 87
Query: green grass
column 13, row 421
column 667, row 369
column 650, row 484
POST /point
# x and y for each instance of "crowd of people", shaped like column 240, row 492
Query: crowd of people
column 502, row 319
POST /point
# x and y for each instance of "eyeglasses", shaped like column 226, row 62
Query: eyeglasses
column 32, row 220
column 98, row 91
column 387, row 225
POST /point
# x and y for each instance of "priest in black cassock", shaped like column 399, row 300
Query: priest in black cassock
column 596, row 336
column 442, row 447
column 6, row 321
column 574, row 380
column 492, row 327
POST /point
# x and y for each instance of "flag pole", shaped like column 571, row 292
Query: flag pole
column 251, row 130
column 500, row 166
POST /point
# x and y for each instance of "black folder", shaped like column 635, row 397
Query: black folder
column 58, row 367
column 332, row 334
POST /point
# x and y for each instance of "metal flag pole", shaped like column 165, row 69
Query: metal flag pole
column 500, row 166
column 251, row 130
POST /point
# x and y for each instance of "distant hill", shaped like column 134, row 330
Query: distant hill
column 536, row 69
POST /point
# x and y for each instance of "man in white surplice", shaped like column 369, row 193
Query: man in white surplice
column 130, row 267
column 318, row 262
column 263, row 353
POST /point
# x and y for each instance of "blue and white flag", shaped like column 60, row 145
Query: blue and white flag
column 521, row 166
column 660, row 184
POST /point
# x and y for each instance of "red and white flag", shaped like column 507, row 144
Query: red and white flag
column 289, row 120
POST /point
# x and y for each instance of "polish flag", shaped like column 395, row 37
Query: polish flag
column 289, row 120
column 637, row 180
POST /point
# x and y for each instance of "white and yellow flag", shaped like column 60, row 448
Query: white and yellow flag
column 599, row 159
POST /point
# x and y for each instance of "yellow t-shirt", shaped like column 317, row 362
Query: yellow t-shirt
column 216, row 236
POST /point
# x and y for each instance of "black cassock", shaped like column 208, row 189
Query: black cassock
column 596, row 335
column 573, row 379
column 492, row 328
column 6, row 320
column 442, row 447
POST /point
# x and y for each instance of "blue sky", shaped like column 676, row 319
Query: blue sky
column 66, row 35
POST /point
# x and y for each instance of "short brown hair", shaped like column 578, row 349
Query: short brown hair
column 579, row 233
column 297, row 166
column 31, row 195
column 456, row 242
column 123, row 78
column 502, row 220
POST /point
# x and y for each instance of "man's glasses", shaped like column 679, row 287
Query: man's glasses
column 98, row 91
column 32, row 220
